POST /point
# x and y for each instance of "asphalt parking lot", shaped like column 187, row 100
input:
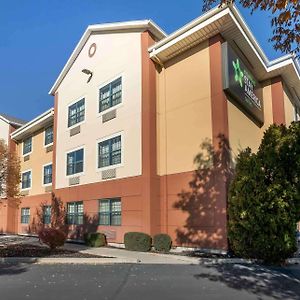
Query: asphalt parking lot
column 134, row 281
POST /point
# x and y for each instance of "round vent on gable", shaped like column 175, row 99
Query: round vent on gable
column 92, row 50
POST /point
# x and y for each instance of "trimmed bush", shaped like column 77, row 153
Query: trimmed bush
column 162, row 242
column 137, row 241
column 95, row 239
column 52, row 237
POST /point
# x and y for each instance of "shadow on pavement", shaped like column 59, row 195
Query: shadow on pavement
column 279, row 283
column 13, row 268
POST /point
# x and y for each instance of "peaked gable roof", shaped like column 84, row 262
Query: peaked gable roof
column 107, row 27
column 12, row 120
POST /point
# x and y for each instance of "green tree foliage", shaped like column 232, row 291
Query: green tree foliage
column 264, row 197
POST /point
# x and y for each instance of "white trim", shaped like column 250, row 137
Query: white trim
column 23, row 155
column 31, row 181
column 108, row 137
column 43, row 174
column 122, row 76
column 85, row 110
column 66, row 160
column 11, row 122
column 51, row 144
column 113, row 27
column 17, row 135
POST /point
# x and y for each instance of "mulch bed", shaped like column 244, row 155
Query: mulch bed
column 25, row 250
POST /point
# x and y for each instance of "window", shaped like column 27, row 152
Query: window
column 25, row 215
column 47, row 214
column 26, row 180
column 75, row 213
column 47, row 174
column 109, row 152
column 297, row 113
column 75, row 162
column 110, row 95
column 49, row 135
column 110, row 212
column 27, row 146
column 76, row 112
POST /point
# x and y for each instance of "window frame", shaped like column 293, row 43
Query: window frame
column 83, row 161
column 22, row 173
column 26, row 216
column 68, row 112
column 47, row 215
column 106, row 84
column 110, row 213
column 106, row 138
column 31, row 147
column 45, row 136
column 43, row 177
column 75, row 214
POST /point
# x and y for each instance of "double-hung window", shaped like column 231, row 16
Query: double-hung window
column 110, row 95
column 109, row 152
column 47, row 174
column 25, row 215
column 110, row 212
column 75, row 213
column 26, row 180
column 49, row 135
column 75, row 162
column 76, row 112
column 47, row 214
column 27, row 146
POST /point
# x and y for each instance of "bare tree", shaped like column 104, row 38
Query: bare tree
column 285, row 20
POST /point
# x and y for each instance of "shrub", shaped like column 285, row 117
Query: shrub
column 95, row 239
column 52, row 237
column 264, row 197
column 137, row 241
column 162, row 242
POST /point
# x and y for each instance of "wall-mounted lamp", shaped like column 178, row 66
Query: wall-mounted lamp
column 88, row 72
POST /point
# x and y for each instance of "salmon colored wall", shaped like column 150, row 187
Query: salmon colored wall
column 38, row 158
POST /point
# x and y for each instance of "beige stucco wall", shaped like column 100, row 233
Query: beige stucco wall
column 117, row 55
column 38, row 158
column 4, row 131
column 288, row 108
column 243, row 132
column 183, row 110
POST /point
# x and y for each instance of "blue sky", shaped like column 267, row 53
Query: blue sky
column 38, row 36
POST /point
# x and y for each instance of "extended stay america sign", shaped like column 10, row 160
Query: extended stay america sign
column 241, row 85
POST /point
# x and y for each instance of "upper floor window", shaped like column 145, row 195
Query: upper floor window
column 76, row 112
column 110, row 212
column 110, row 95
column 47, row 214
column 47, row 178
column 49, row 136
column 27, row 146
column 297, row 113
column 25, row 215
column 26, row 180
column 75, row 213
column 75, row 162
column 109, row 152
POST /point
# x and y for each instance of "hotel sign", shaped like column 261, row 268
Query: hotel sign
column 241, row 85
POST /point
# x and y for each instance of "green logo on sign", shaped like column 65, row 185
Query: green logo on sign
column 238, row 73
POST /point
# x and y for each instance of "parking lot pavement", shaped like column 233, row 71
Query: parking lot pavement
column 138, row 281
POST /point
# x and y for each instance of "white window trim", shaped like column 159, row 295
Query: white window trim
column 66, row 160
column 43, row 174
column 108, row 137
column 27, row 189
column 23, row 155
column 100, row 114
column 51, row 144
column 85, row 112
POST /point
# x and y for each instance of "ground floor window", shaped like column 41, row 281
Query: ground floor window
column 110, row 212
column 75, row 213
column 47, row 214
column 25, row 215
